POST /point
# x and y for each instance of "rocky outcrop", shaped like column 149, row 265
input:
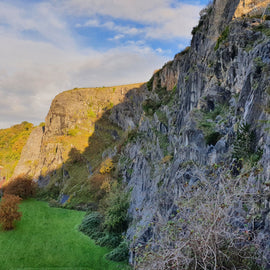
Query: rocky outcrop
column 30, row 153
column 70, row 122
column 251, row 8
column 223, row 83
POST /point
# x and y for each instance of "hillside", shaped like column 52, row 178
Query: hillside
column 64, row 153
column 191, row 147
column 12, row 141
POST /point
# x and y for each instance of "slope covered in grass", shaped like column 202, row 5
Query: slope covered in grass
column 12, row 141
column 47, row 238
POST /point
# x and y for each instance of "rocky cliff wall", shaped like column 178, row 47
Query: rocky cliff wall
column 187, row 137
column 70, row 122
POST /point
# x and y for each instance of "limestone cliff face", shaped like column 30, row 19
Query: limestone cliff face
column 70, row 122
column 223, row 83
column 251, row 7
column 79, row 106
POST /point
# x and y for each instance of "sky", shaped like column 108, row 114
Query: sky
column 48, row 46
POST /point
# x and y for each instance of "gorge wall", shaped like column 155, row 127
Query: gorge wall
column 199, row 153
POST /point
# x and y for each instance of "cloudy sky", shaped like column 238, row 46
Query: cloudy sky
column 48, row 46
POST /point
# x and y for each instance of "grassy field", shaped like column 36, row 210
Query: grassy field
column 47, row 238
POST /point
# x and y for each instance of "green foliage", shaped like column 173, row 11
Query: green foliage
column 120, row 253
column 73, row 132
column 263, row 28
column 165, row 97
column 91, row 224
column 224, row 35
column 109, row 106
column 116, row 217
column 110, row 240
column 245, row 144
column 162, row 117
column 91, row 113
column 213, row 138
column 106, row 231
column 206, row 122
column 150, row 106
column 197, row 28
column 163, row 142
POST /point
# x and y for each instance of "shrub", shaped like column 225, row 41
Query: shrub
column 91, row 113
column 72, row 132
column 224, row 35
column 22, row 186
column 75, row 155
column 244, row 145
column 119, row 254
column 97, row 189
column 116, row 218
column 106, row 166
column 110, row 240
column 204, row 233
column 150, row 106
column 92, row 224
column 213, row 138
column 9, row 211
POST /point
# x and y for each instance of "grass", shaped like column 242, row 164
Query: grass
column 47, row 238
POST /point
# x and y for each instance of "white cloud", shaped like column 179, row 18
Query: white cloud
column 33, row 71
column 117, row 37
column 110, row 25
column 163, row 18
column 40, row 56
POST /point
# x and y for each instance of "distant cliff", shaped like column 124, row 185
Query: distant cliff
column 192, row 146
column 67, row 150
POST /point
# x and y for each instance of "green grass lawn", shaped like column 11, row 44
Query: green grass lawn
column 48, row 238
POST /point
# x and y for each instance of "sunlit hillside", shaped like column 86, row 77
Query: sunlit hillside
column 12, row 141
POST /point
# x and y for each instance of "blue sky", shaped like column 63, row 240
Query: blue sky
column 48, row 46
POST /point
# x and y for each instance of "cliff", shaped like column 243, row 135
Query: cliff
column 188, row 149
column 69, row 147
column 192, row 146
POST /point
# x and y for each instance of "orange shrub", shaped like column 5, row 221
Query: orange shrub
column 22, row 186
column 9, row 211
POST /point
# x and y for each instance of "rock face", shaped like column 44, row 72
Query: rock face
column 69, row 123
column 251, row 7
column 223, row 84
column 30, row 153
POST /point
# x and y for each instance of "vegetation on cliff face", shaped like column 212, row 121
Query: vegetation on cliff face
column 12, row 141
